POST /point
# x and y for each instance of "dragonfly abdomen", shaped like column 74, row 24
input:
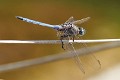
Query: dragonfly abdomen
column 38, row 23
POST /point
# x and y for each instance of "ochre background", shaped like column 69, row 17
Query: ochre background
column 104, row 23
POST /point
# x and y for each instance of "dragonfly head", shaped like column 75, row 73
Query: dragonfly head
column 82, row 31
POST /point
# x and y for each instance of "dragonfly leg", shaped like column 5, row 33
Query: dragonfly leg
column 73, row 38
column 61, row 38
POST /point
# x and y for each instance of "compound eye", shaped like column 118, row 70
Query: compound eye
column 82, row 31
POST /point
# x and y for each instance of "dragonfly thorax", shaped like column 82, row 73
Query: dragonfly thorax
column 67, row 25
column 70, row 30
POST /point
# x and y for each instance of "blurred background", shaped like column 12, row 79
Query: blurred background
column 104, row 23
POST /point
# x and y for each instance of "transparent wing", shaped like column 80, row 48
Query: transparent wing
column 38, row 23
column 76, row 58
column 71, row 19
column 90, row 61
column 84, row 62
column 81, row 21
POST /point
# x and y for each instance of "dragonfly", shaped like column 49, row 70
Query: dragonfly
column 69, row 30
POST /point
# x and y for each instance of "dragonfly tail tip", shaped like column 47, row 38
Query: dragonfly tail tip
column 18, row 17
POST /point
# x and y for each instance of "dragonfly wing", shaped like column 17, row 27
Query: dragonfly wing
column 37, row 22
column 90, row 60
column 81, row 21
column 71, row 19
column 76, row 58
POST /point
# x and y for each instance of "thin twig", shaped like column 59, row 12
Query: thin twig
column 56, row 41
column 55, row 57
